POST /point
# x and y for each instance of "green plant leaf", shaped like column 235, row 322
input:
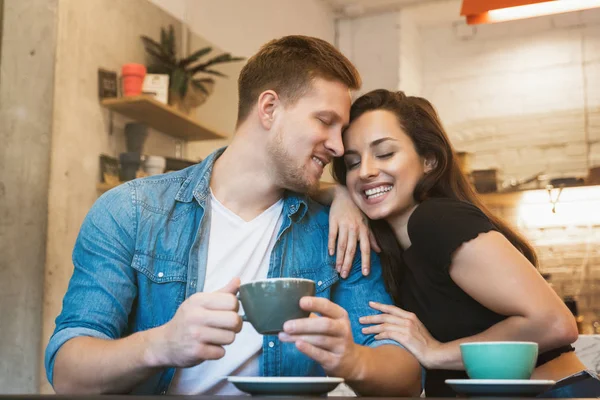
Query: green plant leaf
column 162, row 59
column 152, row 44
column 184, row 88
column 194, row 57
column 213, row 72
column 198, row 84
column 205, row 80
column 220, row 59
column 172, row 41
column 179, row 81
column 158, row 68
column 163, row 40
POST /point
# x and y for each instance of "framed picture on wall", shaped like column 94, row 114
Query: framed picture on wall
column 108, row 84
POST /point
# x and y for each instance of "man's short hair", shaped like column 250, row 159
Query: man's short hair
column 288, row 66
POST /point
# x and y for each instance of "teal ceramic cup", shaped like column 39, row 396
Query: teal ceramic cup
column 499, row 360
column 269, row 303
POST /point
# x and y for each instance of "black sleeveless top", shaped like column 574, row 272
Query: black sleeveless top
column 437, row 228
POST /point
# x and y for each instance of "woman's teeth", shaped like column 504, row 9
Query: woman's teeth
column 378, row 191
column 318, row 161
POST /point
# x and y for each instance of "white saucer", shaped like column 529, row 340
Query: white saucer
column 285, row 386
column 500, row 387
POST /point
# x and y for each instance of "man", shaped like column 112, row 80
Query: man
column 151, row 303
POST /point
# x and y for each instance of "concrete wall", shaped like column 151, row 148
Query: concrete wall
column 372, row 45
column 242, row 27
column 1, row 19
column 91, row 34
column 26, row 93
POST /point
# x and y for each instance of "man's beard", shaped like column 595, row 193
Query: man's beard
column 289, row 176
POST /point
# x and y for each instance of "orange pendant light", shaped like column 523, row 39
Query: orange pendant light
column 492, row 11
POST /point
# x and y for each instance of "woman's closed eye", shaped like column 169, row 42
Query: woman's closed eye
column 351, row 163
column 384, row 156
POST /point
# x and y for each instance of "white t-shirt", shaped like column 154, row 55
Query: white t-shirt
column 235, row 248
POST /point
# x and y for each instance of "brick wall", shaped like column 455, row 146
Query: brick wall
column 523, row 96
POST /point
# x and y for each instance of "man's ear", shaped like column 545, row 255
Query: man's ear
column 429, row 163
column 268, row 101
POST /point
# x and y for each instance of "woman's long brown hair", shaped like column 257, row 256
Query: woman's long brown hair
column 420, row 121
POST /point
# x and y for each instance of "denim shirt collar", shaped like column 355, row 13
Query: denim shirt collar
column 197, row 185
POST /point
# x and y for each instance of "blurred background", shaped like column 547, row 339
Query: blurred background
column 90, row 96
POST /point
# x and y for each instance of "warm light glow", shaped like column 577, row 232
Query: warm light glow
column 567, row 215
column 576, row 206
column 567, row 195
column 532, row 10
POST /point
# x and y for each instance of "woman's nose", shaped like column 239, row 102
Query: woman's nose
column 368, row 169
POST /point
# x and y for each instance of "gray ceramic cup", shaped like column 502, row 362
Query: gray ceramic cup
column 269, row 303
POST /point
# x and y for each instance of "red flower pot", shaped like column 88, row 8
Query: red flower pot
column 133, row 79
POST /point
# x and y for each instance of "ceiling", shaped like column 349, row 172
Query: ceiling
column 355, row 8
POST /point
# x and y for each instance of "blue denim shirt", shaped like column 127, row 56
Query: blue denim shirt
column 142, row 251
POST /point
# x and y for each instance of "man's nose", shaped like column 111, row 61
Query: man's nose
column 335, row 145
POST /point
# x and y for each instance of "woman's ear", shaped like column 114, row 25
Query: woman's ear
column 267, row 104
column 429, row 163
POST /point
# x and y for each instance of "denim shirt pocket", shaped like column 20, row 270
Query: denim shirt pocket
column 161, row 289
column 324, row 277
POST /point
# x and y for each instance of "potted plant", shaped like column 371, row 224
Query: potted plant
column 190, row 81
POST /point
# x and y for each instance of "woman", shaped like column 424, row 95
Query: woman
column 457, row 272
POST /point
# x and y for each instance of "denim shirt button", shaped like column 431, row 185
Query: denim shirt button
column 160, row 274
column 320, row 283
column 271, row 344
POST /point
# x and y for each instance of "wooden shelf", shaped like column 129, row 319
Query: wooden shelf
column 159, row 116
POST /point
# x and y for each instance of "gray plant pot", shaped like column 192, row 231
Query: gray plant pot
column 135, row 136
column 129, row 164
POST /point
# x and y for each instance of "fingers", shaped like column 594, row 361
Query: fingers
column 342, row 243
column 350, row 251
column 216, row 301
column 322, row 306
column 397, row 336
column 313, row 326
column 319, row 355
column 210, row 352
column 365, row 251
column 221, row 319
column 381, row 319
column 389, row 309
column 333, row 231
column 215, row 336
column 387, row 327
column 373, row 241
column 232, row 287
column 323, row 342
